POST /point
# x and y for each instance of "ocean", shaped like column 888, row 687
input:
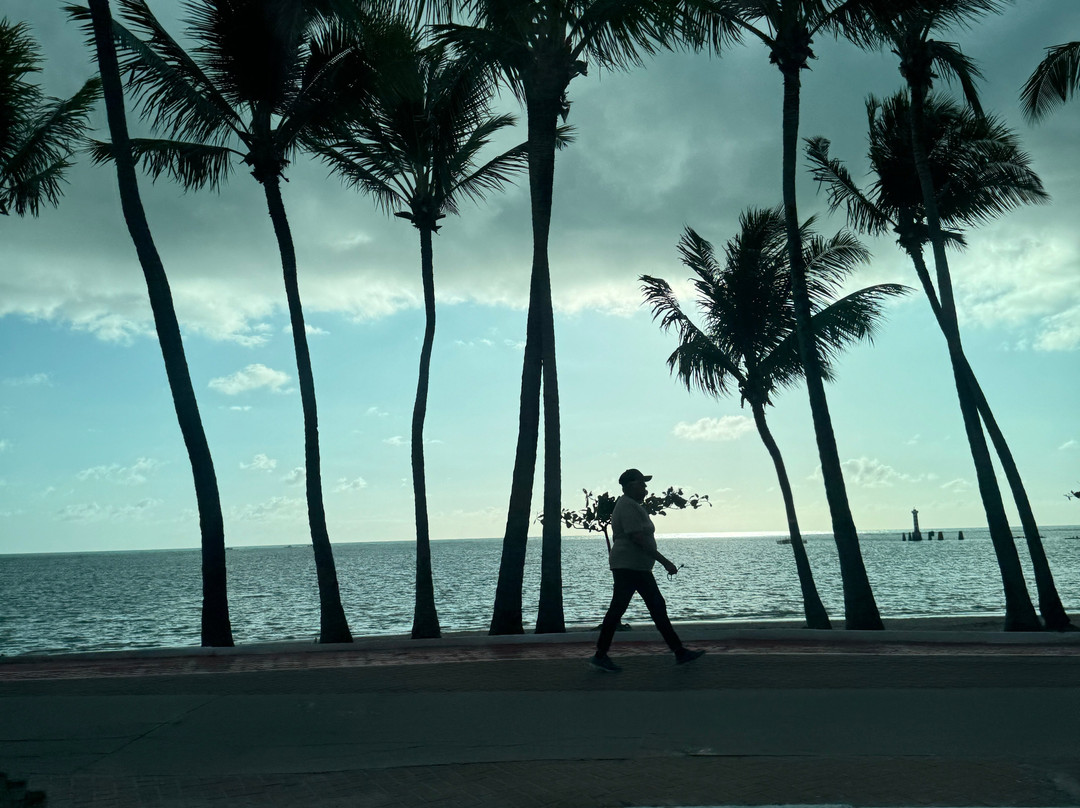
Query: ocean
column 62, row 602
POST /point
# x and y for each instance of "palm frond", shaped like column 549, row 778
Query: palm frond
column 193, row 165
column 26, row 193
column 493, row 175
column 619, row 33
column 831, row 174
column 368, row 175
column 37, row 134
column 852, row 319
column 830, row 261
column 1055, row 81
column 170, row 88
column 697, row 361
column 953, row 64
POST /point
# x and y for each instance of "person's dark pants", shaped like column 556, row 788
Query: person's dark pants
column 627, row 582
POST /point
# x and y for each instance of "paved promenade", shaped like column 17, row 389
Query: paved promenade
column 767, row 717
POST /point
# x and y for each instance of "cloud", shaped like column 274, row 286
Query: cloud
column 309, row 329
column 483, row 342
column 957, row 486
column 345, row 484
column 238, row 408
column 869, row 472
column 273, row 509
column 260, row 463
column 5, row 444
column 397, row 440
column 1065, row 447
column 33, row 380
column 730, row 427
column 253, row 377
column 375, row 411
column 135, row 474
column 295, row 477
column 1024, row 278
column 95, row 512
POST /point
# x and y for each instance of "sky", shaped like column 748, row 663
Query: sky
column 91, row 457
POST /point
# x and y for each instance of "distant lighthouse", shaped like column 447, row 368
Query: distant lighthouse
column 915, row 534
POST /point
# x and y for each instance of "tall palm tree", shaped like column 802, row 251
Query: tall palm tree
column 1055, row 81
column 979, row 172
column 266, row 76
column 216, row 626
column 416, row 148
column 749, row 336
column 911, row 37
column 537, row 47
column 37, row 134
column 787, row 28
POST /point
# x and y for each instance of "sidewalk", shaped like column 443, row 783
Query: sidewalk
column 768, row 716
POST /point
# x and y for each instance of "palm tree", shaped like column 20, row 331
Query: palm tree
column 416, row 148
column 267, row 76
column 979, row 172
column 537, row 47
column 787, row 28
column 216, row 626
column 749, row 336
column 910, row 34
column 1054, row 81
column 37, row 134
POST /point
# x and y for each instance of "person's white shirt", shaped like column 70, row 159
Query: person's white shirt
column 629, row 516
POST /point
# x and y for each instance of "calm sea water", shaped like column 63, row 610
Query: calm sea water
column 100, row 601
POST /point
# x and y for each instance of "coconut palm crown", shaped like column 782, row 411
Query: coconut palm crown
column 38, row 134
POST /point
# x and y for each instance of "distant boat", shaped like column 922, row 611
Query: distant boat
column 788, row 540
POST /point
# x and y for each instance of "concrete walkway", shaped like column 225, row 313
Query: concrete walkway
column 766, row 717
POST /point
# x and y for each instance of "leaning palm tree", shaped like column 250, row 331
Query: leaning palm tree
column 1054, row 81
column 979, row 172
column 416, row 148
column 537, row 47
column 38, row 134
column 922, row 59
column 265, row 76
column 216, row 626
column 748, row 339
column 787, row 28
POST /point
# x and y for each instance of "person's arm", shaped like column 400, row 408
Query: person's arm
column 638, row 538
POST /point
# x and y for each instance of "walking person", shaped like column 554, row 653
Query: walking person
column 633, row 553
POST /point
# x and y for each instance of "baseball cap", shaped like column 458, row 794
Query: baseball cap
column 632, row 475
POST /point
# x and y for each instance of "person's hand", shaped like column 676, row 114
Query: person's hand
column 671, row 568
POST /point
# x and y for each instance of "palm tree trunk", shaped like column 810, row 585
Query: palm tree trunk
column 332, row 624
column 1019, row 613
column 860, row 608
column 1050, row 606
column 506, row 616
column 539, row 365
column 216, row 626
column 425, row 616
column 816, row 616
column 543, row 123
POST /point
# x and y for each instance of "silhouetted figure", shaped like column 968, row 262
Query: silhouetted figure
column 633, row 553
column 960, row 536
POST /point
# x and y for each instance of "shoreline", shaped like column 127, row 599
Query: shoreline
column 971, row 630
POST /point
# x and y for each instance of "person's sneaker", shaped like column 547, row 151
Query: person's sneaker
column 604, row 663
column 684, row 655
